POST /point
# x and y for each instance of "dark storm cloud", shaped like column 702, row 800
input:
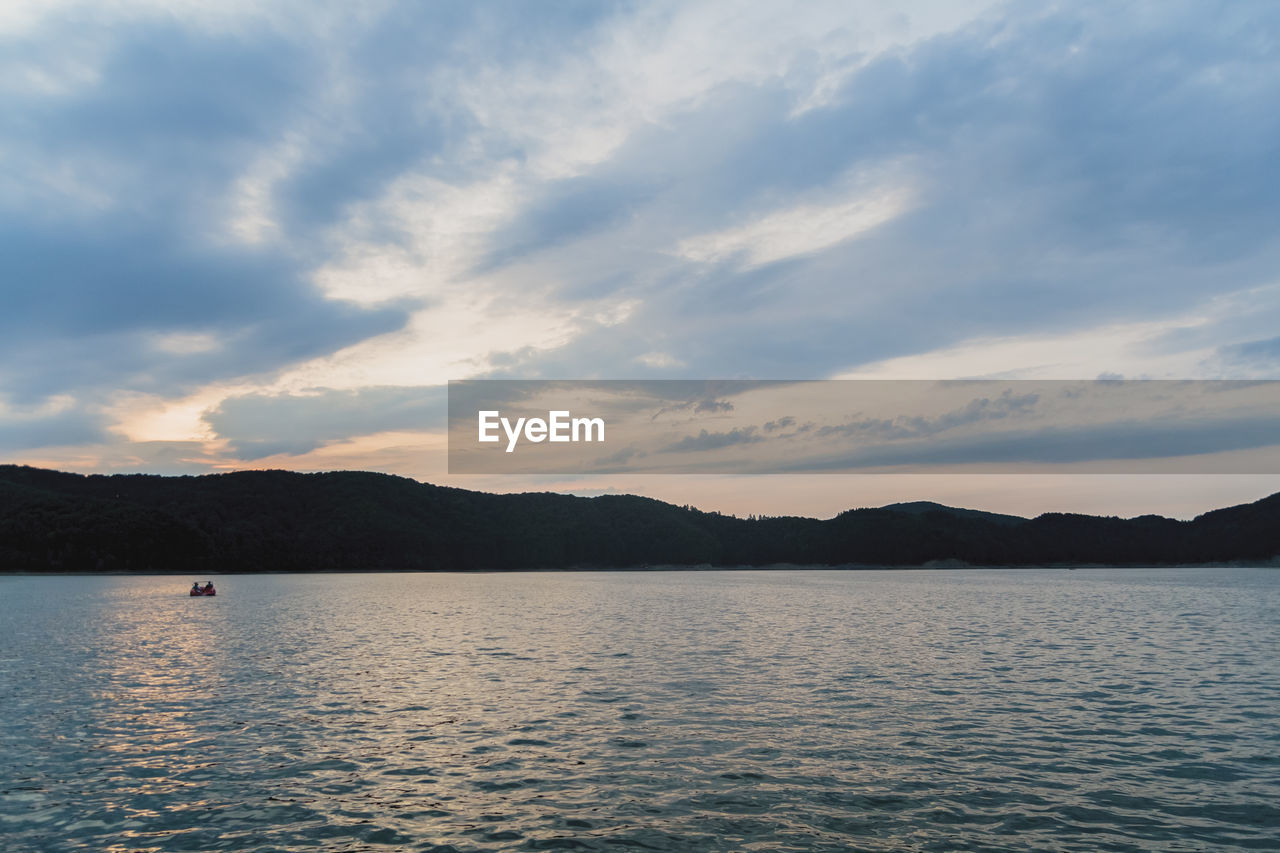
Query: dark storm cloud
column 258, row 425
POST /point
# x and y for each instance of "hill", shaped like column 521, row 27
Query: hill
column 282, row 521
column 922, row 507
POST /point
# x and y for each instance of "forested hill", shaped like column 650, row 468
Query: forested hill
column 273, row 521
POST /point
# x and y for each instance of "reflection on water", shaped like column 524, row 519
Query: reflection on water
column 806, row 710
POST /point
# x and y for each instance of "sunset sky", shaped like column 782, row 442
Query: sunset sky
column 247, row 235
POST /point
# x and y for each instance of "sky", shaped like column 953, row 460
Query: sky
column 264, row 235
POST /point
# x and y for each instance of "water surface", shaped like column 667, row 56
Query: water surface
column 772, row 711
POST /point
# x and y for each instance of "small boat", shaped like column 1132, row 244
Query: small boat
column 209, row 590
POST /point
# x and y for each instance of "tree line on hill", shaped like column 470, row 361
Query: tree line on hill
column 281, row 521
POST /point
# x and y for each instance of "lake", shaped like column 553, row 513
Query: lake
column 689, row 711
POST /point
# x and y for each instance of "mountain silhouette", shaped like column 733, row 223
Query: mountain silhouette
column 283, row 521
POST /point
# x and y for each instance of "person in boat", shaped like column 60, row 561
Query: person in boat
column 195, row 587
column 208, row 587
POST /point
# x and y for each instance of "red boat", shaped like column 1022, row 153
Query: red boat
column 208, row 590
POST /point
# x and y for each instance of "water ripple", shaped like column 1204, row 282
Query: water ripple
column 725, row 711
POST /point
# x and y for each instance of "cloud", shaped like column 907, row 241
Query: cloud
column 1264, row 353
column 252, row 423
column 780, row 423
column 797, row 231
column 113, row 221
column 700, row 406
column 325, row 196
column 1137, row 425
column 1045, row 198
column 977, row 411
column 620, row 459
column 1117, row 447
column 714, row 440
column 74, row 427
column 93, row 310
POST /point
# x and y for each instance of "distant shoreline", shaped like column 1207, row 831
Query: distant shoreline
column 781, row 567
